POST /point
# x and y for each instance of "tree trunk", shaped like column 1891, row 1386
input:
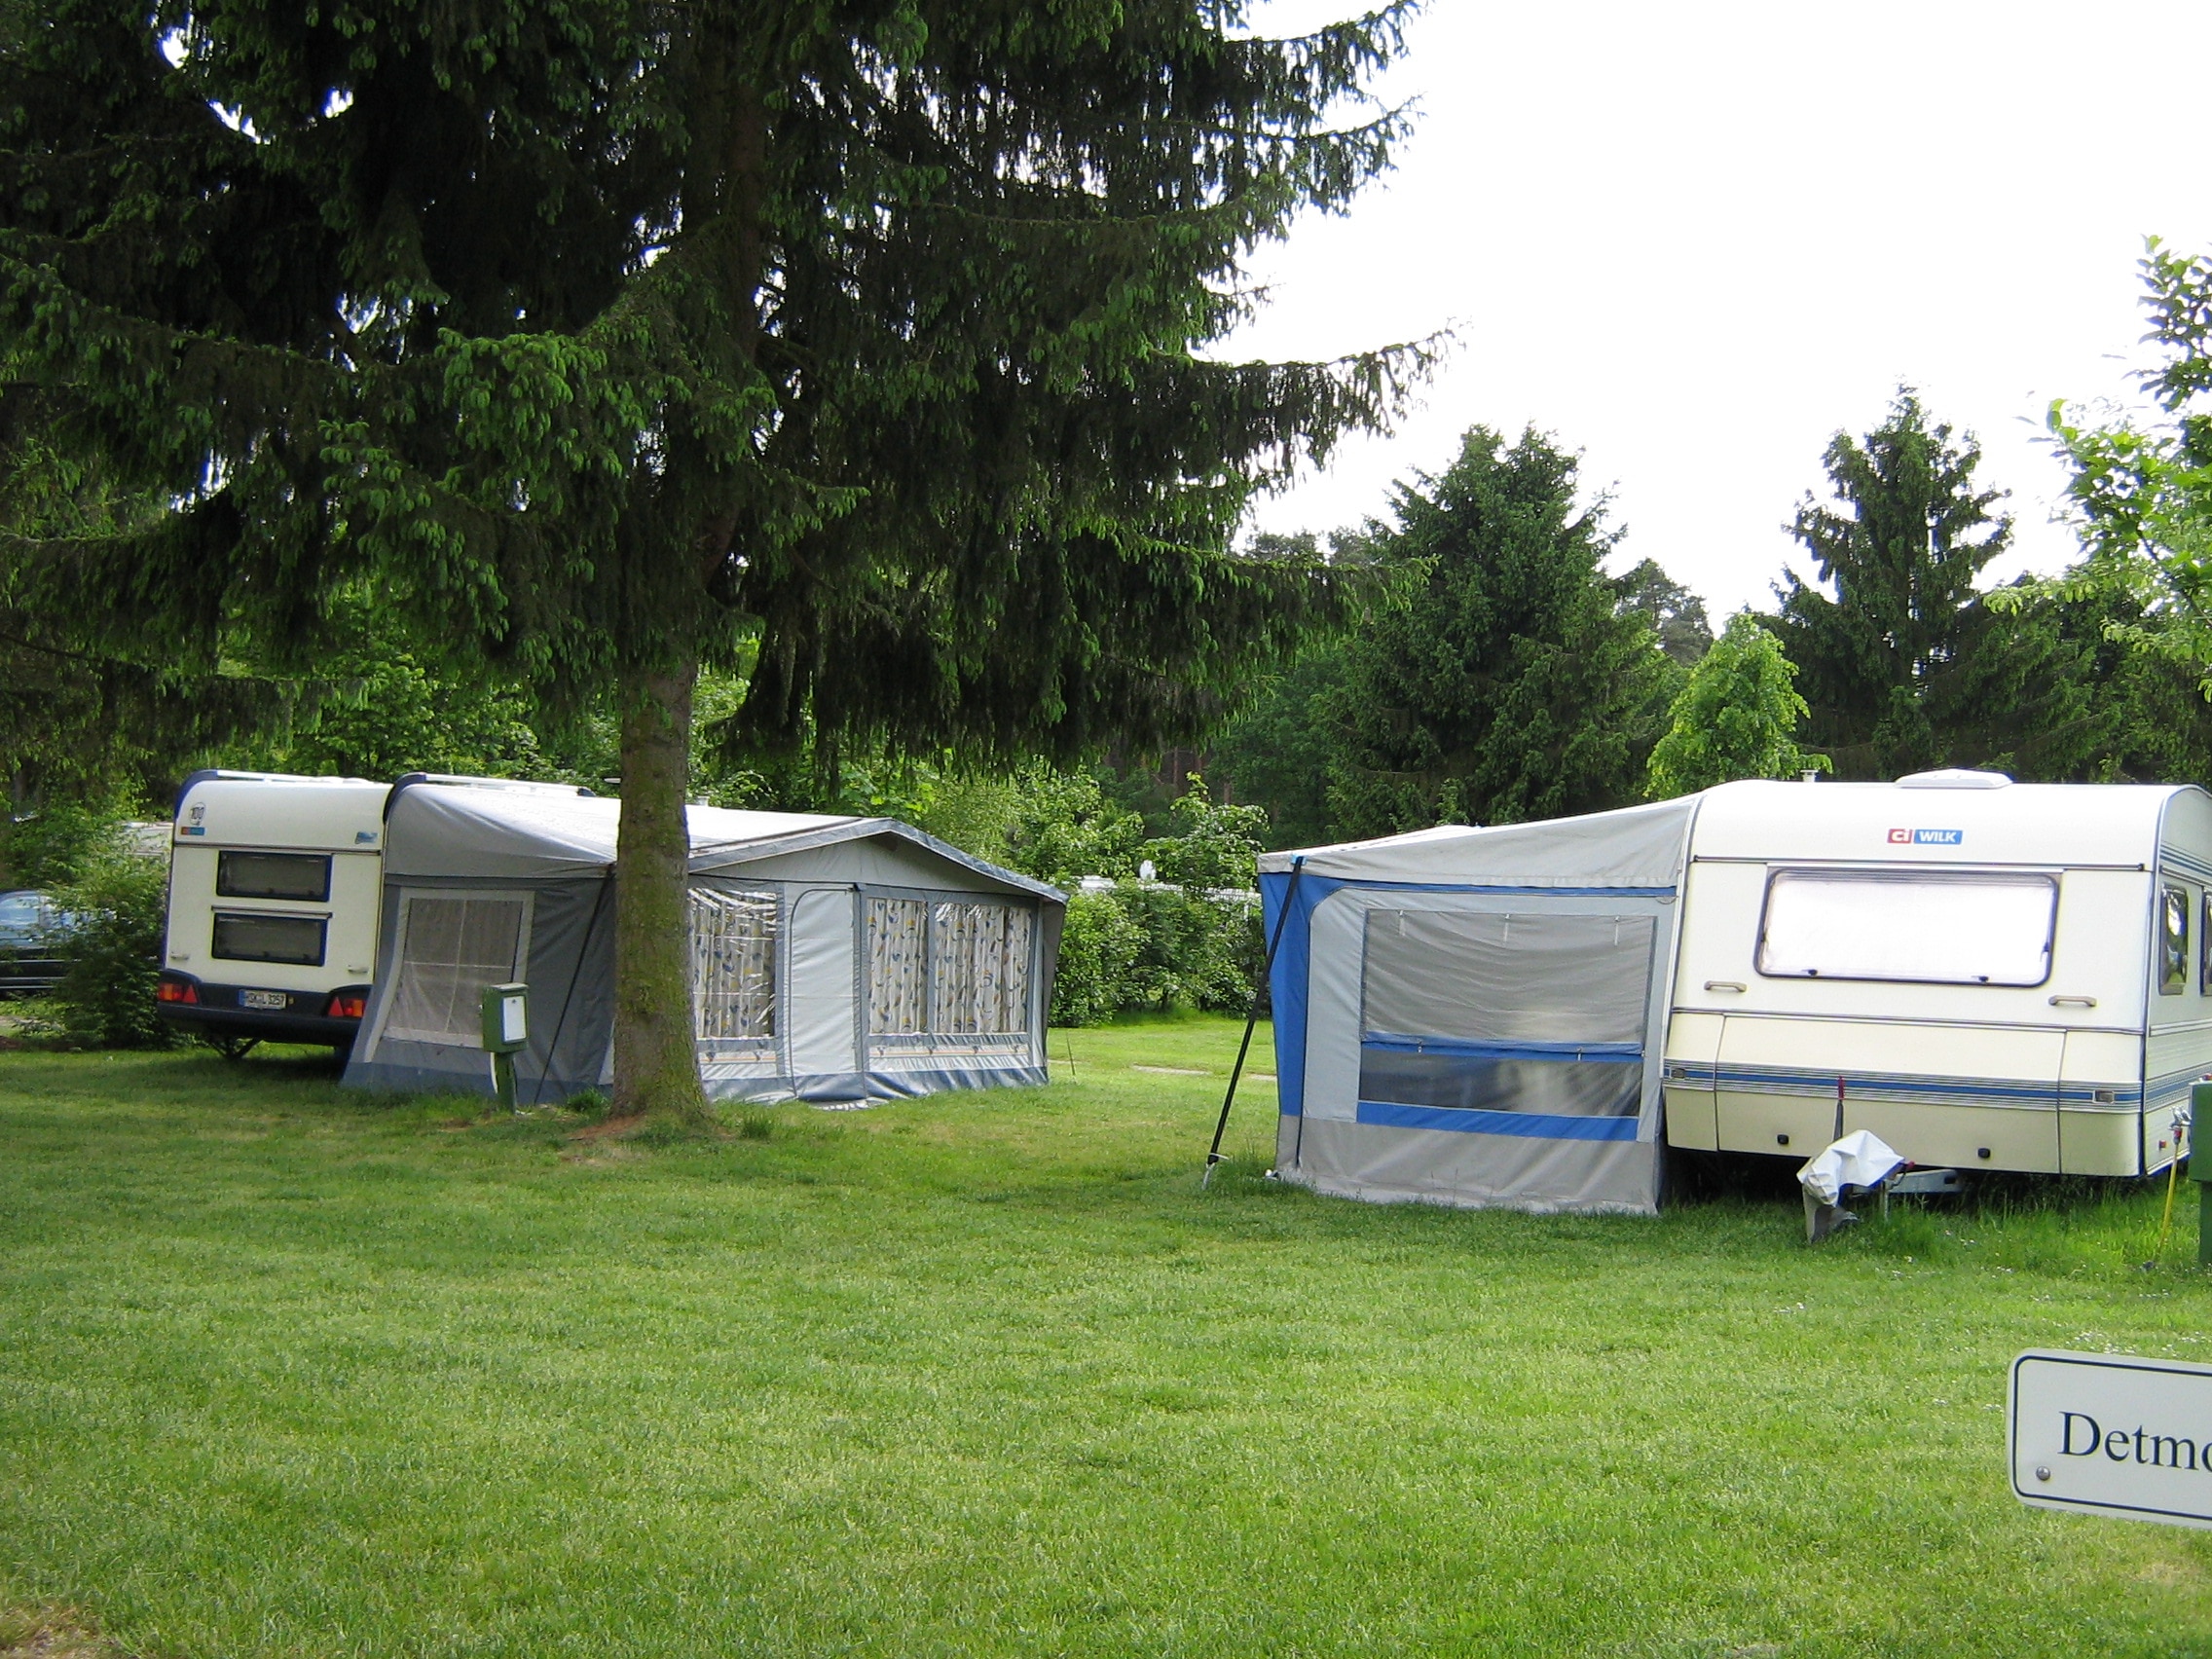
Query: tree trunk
column 656, row 1063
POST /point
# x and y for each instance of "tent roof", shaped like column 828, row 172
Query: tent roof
column 1637, row 846
column 436, row 830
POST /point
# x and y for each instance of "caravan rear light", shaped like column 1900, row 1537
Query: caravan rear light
column 174, row 988
column 348, row 1005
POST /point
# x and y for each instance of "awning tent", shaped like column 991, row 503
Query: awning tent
column 831, row 958
column 1476, row 1016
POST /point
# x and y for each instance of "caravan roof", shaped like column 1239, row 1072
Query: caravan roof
column 1932, row 819
column 239, row 809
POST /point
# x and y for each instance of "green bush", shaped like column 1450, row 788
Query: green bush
column 119, row 900
column 1097, row 950
column 1142, row 946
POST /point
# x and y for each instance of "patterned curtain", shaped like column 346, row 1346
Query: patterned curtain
column 897, row 982
column 979, row 968
column 733, row 966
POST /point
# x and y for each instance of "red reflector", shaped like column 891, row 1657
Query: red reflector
column 176, row 991
column 348, row 1005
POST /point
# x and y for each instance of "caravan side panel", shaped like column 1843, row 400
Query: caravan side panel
column 2178, row 1043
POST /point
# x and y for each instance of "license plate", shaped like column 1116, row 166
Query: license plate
column 263, row 999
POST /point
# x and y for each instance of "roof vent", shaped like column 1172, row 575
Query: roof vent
column 1953, row 778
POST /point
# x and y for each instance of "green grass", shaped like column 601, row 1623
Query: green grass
column 285, row 1371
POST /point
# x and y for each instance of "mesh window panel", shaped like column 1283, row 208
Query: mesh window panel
column 734, row 966
column 978, row 969
column 450, row 950
column 1514, row 978
column 897, row 971
column 1538, row 1014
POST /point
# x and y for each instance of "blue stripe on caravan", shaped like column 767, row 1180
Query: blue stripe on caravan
column 2042, row 1094
column 1696, row 1076
column 1466, row 1049
column 1541, row 1125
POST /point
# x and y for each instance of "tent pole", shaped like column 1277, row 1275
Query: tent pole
column 553, row 1044
column 1252, row 1019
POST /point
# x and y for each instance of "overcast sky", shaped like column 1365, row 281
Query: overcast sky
column 1692, row 241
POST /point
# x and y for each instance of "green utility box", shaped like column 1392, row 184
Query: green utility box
column 506, row 1033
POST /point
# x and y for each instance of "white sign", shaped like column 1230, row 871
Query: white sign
column 2110, row 1434
column 512, row 1020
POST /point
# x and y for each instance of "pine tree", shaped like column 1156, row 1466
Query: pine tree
column 611, row 338
column 1503, row 681
column 1675, row 614
column 1907, row 666
column 1736, row 718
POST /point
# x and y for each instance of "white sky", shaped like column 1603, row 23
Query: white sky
column 1693, row 239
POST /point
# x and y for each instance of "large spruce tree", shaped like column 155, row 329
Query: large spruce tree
column 1905, row 665
column 1505, row 679
column 609, row 338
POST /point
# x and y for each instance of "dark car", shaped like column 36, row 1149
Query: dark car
column 34, row 934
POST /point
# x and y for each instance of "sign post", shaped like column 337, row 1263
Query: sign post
column 2112, row 1434
column 506, row 1033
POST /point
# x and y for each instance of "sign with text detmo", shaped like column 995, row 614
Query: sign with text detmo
column 2111, row 1434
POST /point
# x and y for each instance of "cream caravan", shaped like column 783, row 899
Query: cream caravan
column 1987, row 974
column 276, row 900
column 276, row 883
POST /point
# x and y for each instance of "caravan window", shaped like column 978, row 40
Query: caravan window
column 2204, row 946
column 733, row 966
column 297, row 876
column 450, row 947
column 1928, row 927
column 952, row 967
column 258, row 937
column 2173, row 941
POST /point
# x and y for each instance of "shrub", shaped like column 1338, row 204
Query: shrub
column 119, row 902
column 1142, row 945
column 1097, row 950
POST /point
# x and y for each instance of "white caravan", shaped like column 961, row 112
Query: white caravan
column 276, row 883
column 1986, row 975
column 276, row 900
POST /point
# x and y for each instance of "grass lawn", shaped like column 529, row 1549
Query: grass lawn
column 287, row 1371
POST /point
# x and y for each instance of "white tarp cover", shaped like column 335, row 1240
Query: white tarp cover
column 1476, row 1017
column 1860, row 1158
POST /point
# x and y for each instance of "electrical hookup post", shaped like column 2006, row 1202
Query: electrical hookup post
column 506, row 1033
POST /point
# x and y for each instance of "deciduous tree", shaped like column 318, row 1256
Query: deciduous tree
column 1736, row 718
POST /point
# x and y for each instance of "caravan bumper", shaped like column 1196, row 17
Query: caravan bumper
column 220, row 1011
